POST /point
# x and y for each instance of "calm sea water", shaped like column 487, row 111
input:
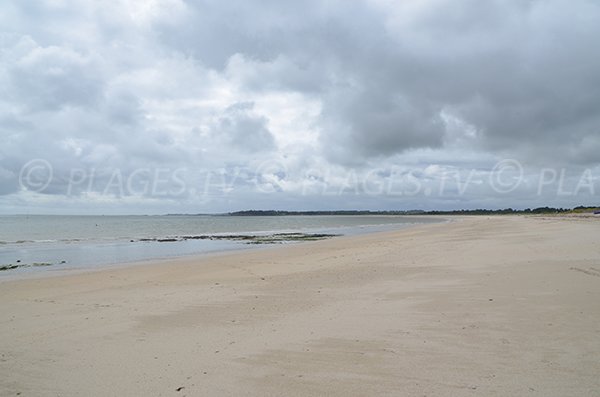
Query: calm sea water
column 72, row 242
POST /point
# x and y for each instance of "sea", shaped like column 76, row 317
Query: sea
column 34, row 244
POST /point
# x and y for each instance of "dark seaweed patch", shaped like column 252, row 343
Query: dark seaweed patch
column 247, row 238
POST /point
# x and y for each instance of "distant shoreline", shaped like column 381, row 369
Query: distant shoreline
column 506, row 211
column 592, row 210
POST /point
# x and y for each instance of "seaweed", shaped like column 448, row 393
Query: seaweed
column 12, row 266
column 275, row 238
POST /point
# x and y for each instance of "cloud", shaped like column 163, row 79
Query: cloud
column 241, row 129
column 223, row 88
column 515, row 71
column 46, row 79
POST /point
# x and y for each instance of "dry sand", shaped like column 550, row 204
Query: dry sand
column 499, row 306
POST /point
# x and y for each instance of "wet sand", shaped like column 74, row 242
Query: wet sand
column 490, row 306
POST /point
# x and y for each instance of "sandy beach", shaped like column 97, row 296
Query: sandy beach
column 487, row 306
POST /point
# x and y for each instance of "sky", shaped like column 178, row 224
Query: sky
column 205, row 106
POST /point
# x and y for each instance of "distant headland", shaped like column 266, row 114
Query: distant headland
column 506, row 211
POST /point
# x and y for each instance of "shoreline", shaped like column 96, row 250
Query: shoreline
column 482, row 306
column 202, row 257
column 170, row 248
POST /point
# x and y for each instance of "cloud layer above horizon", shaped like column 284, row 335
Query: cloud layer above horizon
column 207, row 106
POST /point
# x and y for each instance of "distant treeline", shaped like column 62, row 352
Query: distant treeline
column 506, row 211
column 340, row 212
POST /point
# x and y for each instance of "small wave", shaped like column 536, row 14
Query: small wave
column 43, row 241
column 29, row 241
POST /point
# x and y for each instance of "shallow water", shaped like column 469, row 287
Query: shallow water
column 74, row 242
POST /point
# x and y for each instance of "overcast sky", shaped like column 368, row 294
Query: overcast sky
column 163, row 106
